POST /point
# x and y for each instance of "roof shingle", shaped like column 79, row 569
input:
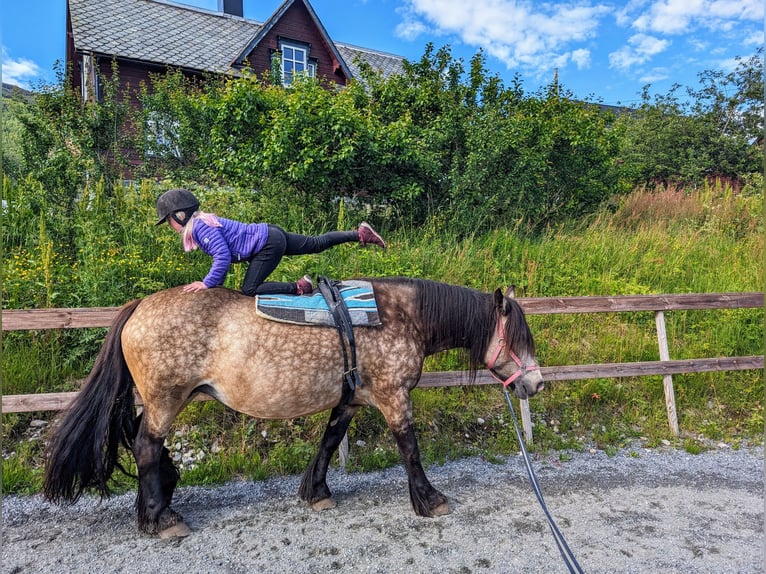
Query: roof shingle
column 387, row 64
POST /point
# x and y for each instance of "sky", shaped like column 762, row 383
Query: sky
column 602, row 51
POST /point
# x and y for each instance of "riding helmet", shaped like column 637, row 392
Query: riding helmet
column 174, row 201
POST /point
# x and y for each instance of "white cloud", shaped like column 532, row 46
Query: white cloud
column 698, row 44
column 683, row 16
column 410, row 29
column 737, row 9
column 754, row 39
column 19, row 72
column 728, row 64
column 703, row 22
column 624, row 17
column 656, row 75
column 640, row 49
column 581, row 58
column 669, row 16
column 535, row 37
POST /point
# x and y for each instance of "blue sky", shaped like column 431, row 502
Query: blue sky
column 602, row 50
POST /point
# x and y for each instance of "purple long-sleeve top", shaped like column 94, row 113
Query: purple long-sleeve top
column 232, row 242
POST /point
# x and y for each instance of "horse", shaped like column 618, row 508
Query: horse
column 172, row 345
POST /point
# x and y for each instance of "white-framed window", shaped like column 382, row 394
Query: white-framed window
column 162, row 135
column 89, row 79
column 295, row 61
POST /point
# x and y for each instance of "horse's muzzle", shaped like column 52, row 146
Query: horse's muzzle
column 528, row 385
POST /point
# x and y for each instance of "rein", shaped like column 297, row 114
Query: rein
column 564, row 550
column 566, row 553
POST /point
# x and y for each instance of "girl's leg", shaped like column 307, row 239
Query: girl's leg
column 263, row 263
column 282, row 243
column 304, row 244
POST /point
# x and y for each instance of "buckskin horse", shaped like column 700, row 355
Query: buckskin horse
column 172, row 345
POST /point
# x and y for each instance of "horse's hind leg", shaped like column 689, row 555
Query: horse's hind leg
column 313, row 487
column 157, row 478
column 426, row 500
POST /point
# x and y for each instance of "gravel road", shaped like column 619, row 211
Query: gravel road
column 641, row 510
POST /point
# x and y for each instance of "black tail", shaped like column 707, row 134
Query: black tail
column 83, row 449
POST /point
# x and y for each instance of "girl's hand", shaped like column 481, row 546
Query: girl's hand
column 194, row 287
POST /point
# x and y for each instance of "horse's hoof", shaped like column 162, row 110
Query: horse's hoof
column 178, row 530
column 441, row 510
column 324, row 504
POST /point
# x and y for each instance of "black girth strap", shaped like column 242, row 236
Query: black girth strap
column 339, row 311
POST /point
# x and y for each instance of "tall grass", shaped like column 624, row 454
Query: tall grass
column 652, row 241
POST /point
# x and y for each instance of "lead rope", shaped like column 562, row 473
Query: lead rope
column 566, row 552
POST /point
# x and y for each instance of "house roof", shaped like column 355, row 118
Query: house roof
column 159, row 32
column 172, row 34
column 387, row 64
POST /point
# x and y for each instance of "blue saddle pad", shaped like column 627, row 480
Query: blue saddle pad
column 313, row 310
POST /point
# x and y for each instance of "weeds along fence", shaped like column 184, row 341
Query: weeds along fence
column 15, row 320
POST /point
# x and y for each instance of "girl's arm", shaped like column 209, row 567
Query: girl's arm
column 212, row 242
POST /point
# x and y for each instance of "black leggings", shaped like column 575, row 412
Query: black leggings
column 279, row 244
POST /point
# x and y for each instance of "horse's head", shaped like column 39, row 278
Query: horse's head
column 511, row 356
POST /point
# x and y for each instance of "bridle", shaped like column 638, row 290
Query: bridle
column 523, row 368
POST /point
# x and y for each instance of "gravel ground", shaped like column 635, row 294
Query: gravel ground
column 659, row 510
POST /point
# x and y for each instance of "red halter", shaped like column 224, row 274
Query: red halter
column 500, row 346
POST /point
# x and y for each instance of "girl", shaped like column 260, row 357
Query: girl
column 262, row 245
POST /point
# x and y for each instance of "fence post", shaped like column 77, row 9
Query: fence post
column 343, row 452
column 526, row 420
column 667, row 380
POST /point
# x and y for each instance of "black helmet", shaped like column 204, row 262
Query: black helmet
column 175, row 200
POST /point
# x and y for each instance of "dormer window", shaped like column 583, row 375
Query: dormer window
column 295, row 61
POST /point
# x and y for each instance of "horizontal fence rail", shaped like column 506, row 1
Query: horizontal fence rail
column 29, row 319
column 60, row 401
column 32, row 319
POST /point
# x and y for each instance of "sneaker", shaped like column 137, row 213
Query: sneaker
column 304, row 285
column 368, row 235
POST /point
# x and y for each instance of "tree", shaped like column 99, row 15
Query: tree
column 710, row 132
column 535, row 160
column 67, row 143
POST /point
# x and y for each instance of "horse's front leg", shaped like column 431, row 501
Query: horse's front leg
column 157, row 478
column 314, row 489
column 426, row 500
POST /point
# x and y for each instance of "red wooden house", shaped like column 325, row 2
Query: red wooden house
column 150, row 36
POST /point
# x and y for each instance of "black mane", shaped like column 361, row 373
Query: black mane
column 459, row 317
column 518, row 336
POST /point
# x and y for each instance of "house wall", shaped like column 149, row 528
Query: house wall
column 296, row 24
column 133, row 75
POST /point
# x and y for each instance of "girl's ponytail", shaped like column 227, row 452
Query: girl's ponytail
column 209, row 219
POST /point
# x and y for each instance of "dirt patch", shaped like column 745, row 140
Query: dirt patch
column 638, row 511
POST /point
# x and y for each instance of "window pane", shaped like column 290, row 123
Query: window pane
column 289, row 53
column 298, row 66
column 288, row 67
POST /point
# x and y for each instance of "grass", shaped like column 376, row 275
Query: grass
column 668, row 241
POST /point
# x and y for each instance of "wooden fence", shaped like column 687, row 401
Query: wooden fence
column 15, row 320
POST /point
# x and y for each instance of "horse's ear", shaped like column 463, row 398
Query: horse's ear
column 511, row 292
column 499, row 301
